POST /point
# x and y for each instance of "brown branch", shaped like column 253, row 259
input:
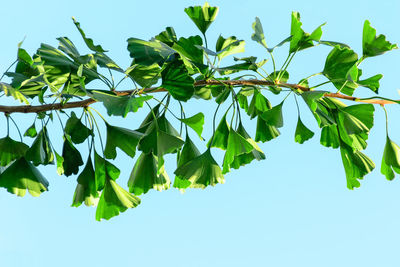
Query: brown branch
column 87, row 102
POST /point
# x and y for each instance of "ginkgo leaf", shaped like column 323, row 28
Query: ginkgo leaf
column 148, row 53
column 187, row 47
column 11, row 150
column 145, row 175
column 86, row 189
column 114, row 200
column 202, row 16
column 356, row 165
column 301, row 40
column 76, row 129
column 374, row 45
column 20, row 176
column 258, row 105
column 178, row 82
column 372, row 82
column 188, row 152
column 228, row 46
column 264, row 131
column 237, row 145
column 145, row 76
column 40, row 153
column 104, row 170
column 88, row 41
column 31, row 131
column 123, row 138
column 330, row 136
column 258, row 34
column 119, row 105
column 60, row 161
column 72, row 157
column 274, row 116
column 302, row 133
column 390, row 159
column 167, row 37
column 201, row 171
column 221, row 135
column 195, row 122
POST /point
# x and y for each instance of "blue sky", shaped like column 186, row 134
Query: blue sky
column 292, row 209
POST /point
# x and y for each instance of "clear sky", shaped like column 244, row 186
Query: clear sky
column 292, row 209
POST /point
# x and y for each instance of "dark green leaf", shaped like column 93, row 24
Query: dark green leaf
column 123, row 138
column 146, row 175
column 202, row 16
column 104, row 170
column 167, row 37
column 264, row 131
column 88, row 41
column 76, row 130
column 302, row 133
column 72, row 157
column 22, row 175
column 11, row 150
column 201, row 171
column 195, row 122
column 120, row 105
column 176, row 79
column 390, row 159
column 187, row 47
column 145, row 76
column 221, row 135
column 274, row 116
column 374, row 45
column 40, row 152
column 148, row 53
column 258, row 34
column 113, row 200
column 258, row 105
column 86, row 189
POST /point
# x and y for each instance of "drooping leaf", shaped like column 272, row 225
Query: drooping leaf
column 201, row 171
column 86, row 189
column 72, row 157
column 374, row 45
column 76, row 129
column 178, row 82
column 88, row 41
column 148, row 53
column 356, row 165
column 11, row 150
column 120, row 105
column 195, row 122
column 228, row 46
column 60, row 161
column 146, row 175
column 104, row 170
column 330, row 136
column 274, row 116
column 258, row 34
column 221, row 135
column 20, row 176
column 40, row 153
column 371, row 83
column 202, row 16
column 302, row 133
column 390, row 159
column 123, row 138
column 258, row 105
column 114, row 200
column 31, row 131
column 264, row 131
column 357, row 118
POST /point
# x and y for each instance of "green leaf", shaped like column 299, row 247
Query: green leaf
column 104, row 170
column 88, row 41
column 60, row 162
column 189, row 152
column 123, row 138
column 201, row 171
column 11, row 150
column 357, row 118
column 221, row 135
column 40, row 153
column 274, row 116
column 264, row 131
column 10, row 91
column 187, row 47
column 148, row 53
column 249, row 64
column 258, row 34
column 228, row 46
column 31, row 131
column 371, row 83
column 176, row 79
column 195, row 122
column 340, row 68
column 72, row 157
column 167, row 37
column 302, row 133
column 258, row 105
column 390, row 159
column 76, row 129
column 146, row 175
column 68, row 47
column 120, row 105
column 105, row 62
column 86, row 189
column 202, row 16
column 314, row 101
column 145, row 76
column 374, row 45
column 356, row 165
column 330, row 136
column 301, row 40
column 113, row 200
column 22, row 175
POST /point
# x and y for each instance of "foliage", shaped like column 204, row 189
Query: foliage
column 182, row 69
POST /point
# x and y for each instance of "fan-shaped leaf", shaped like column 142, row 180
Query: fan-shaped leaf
column 86, row 189
column 40, row 153
column 195, row 122
column 202, row 16
column 302, row 133
column 178, row 82
column 390, row 159
column 76, row 129
column 72, row 157
column 11, row 150
column 374, row 45
column 123, row 138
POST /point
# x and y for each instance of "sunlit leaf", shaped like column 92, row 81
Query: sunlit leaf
column 167, row 37
column 301, row 40
column 11, row 150
column 302, row 133
column 123, row 138
column 178, row 82
column 40, row 153
column 20, row 176
column 76, row 129
column 31, row 131
column 195, row 122
column 228, row 46
column 264, row 131
column 187, row 47
column 371, row 83
column 390, row 159
column 274, row 116
column 145, row 76
column 202, row 16
column 88, row 41
column 258, row 34
column 86, row 189
column 60, row 161
column 148, row 53
column 104, row 170
column 374, row 45
column 201, row 171
column 221, row 135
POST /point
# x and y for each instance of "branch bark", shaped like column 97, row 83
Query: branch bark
column 87, row 102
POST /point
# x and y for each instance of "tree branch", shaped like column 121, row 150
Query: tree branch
column 87, row 102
